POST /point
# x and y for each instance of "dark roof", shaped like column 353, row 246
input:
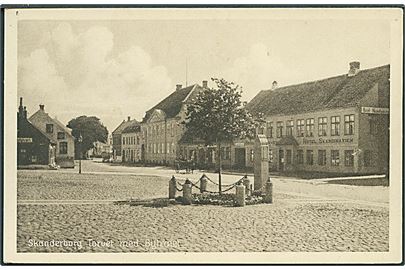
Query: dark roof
column 336, row 92
column 172, row 104
column 133, row 127
column 123, row 125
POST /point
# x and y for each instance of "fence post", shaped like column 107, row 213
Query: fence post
column 268, row 197
column 240, row 195
column 172, row 188
column 203, row 183
column 187, row 192
column 246, row 183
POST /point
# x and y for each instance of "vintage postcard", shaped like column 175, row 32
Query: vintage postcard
column 203, row 135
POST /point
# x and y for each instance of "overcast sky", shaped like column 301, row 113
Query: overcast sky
column 115, row 69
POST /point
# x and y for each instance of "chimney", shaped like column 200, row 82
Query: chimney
column 274, row 85
column 21, row 108
column 205, row 84
column 354, row 68
column 129, row 118
column 42, row 107
column 178, row 86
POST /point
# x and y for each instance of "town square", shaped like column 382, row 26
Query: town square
column 174, row 133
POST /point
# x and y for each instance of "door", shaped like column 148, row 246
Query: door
column 240, row 157
column 281, row 160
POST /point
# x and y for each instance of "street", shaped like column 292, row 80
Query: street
column 63, row 211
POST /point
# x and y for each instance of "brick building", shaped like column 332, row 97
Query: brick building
column 65, row 148
column 337, row 125
column 33, row 146
column 162, row 125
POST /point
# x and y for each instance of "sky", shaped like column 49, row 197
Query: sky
column 114, row 69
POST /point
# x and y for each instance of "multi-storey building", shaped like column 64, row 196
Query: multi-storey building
column 34, row 147
column 65, row 147
column 338, row 124
column 162, row 125
column 132, row 144
column 116, row 136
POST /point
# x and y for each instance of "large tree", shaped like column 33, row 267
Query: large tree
column 218, row 116
column 90, row 129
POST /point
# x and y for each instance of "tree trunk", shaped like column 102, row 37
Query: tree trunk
column 219, row 168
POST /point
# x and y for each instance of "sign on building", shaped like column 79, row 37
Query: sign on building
column 375, row 110
column 24, row 140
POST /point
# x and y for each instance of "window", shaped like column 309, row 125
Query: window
column 288, row 157
column 310, row 127
column 300, row 156
column 349, row 124
column 335, row 157
column 322, row 126
column 168, row 148
column 270, row 155
column 290, row 127
column 335, row 125
column 300, row 128
column 280, row 129
column 63, row 147
column 368, row 158
column 270, row 129
column 349, row 158
column 252, row 155
column 225, row 153
column 123, row 140
column 173, row 149
column 49, row 128
column 154, row 148
column 321, row 157
column 163, row 148
column 373, row 124
column 61, row 135
column 310, row 157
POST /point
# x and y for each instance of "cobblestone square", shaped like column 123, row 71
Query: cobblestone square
column 64, row 212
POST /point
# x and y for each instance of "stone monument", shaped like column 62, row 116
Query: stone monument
column 261, row 161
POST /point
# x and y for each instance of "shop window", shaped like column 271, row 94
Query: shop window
column 270, row 129
column 349, row 124
column 63, row 148
column 61, row 136
column 321, row 157
column 310, row 123
column 368, row 158
column 300, row 128
column 290, row 127
column 280, row 126
column 335, row 125
column 310, row 157
column 322, row 126
column 300, row 157
column 34, row 159
column 49, row 128
column 349, row 158
column 335, row 161
column 289, row 157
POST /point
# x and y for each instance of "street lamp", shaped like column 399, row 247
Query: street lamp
column 80, row 139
